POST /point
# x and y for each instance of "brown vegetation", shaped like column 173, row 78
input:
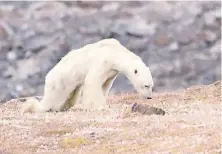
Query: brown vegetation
column 191, row 124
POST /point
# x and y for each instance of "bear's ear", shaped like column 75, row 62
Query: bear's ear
column 135, row 71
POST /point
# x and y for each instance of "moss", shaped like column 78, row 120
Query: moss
column 72, row 142
column 57, row 132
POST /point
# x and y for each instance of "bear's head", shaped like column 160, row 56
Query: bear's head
column 141, row 78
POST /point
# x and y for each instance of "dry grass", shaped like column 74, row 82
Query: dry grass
column 192, row 124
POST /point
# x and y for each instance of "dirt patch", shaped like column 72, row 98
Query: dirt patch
column 191, row 124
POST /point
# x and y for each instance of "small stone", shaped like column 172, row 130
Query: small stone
column 90, row 4
column 184, row 37
column 208, row 19
column 179, row 14
column 210, row 36
column 14, row 94
column 9, row 72
column 140, row 29
column 161, row 40
column 216, row 50
column 146, row 109
column 195, row 9
column 28, row 54
column 173, row 46
column 111, row 7
column 92, row 134
column 11, row 56
column 37, row 43
column 7, row 8
column 24, row 26
column 3, row 33
column 29, row 33
column 211, row 17
column 19, row 88
column 118, row 28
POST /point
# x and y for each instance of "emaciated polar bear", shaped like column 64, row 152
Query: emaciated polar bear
column 92, row 70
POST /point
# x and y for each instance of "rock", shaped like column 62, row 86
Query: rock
column 161, row 40
column 11, row 56
column 137, row 45
column 14, row 94
column 19, row 88
column 37, row 43
column 6, row 29
column 9, row 72
column 141, row 29
column 216, row 50
column 184, row 37
column 7, row 8
column 119, row 28
column 210, row 36
column 195, row 9
column 211, row 16
column 111, row 7
column 134, row 3
column 145, row 109
column 218, row 16
column 202, row 68
column 43, row 10
column 3, row 33
column 174, row 46
column 28, row 33
column 90, row 4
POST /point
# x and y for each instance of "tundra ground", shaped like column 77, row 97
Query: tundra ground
column 192, row 124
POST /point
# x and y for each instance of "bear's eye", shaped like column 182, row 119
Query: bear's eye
column 135, row 71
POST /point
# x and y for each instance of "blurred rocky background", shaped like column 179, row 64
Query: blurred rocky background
column 179, row 41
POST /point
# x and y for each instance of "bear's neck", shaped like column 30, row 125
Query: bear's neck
column 123, row 62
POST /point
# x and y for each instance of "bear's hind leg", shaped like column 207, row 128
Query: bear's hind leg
column 56, row 96
column 72, row 99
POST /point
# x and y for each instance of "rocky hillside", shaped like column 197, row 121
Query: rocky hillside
column 179, row 41
column 191, row 124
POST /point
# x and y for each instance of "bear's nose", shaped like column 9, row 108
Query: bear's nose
column 149, row 97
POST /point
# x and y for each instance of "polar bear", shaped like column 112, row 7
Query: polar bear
column 89, row 73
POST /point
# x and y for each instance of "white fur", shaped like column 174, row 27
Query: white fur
column 92, row 70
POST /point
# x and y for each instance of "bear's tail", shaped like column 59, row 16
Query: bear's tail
column 33, row 105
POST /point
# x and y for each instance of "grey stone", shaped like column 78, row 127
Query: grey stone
column 195, row 8
column 210, row 36
column 90, row 4
column 216, row 50
column 174, row 46
column 11, row 56
column 8, row 73
column 211, row 16
column 119, row 29
column 37, row 42
column 184, row 37
column 140, row 28
column 19, row 88
column 111, row 7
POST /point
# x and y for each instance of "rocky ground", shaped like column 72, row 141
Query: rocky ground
column 191, row 124
column 180, row 41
